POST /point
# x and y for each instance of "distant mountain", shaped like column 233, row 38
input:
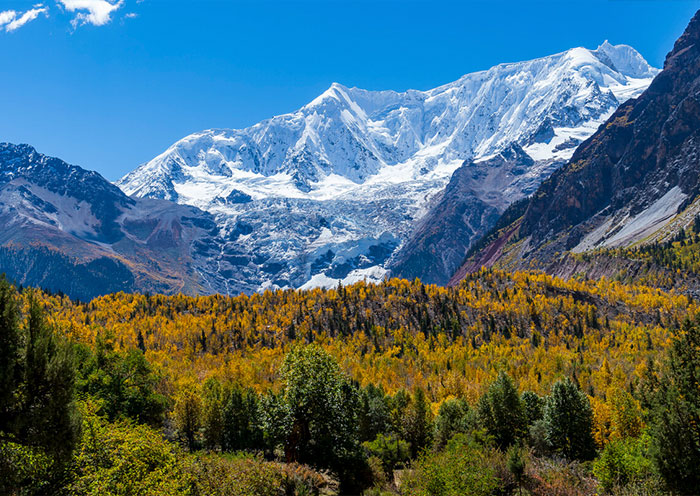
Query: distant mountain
column 68, row 229
column 636, row 180
column 336, row 191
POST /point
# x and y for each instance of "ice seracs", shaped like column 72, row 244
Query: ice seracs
column 357, row 167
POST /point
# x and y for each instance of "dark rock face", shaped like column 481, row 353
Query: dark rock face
column 458, row 217
column 648, row 147
column 67, row 229
column 105, row 199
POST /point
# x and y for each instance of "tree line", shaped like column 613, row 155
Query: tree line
column 80, row 417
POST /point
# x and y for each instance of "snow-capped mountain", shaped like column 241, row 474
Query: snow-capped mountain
column 329, row 193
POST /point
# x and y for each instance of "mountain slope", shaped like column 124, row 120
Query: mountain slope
column 478, row 192
column 330, row 193
column 70, row 230
column 636, row 180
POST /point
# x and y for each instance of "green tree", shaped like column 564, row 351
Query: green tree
column 453, row 418
column 212, row 412
column 418, row 424
column 38, row 417
column 516, row 466
column 568, row 420
column 534, row 406
column 240, row 420
column 502, row 413
column 675, row 414
column 321, row 405
column 398, row 406
column 124, row 381
column 374, row 413
column 10, row 355
column 275, row 421
column 188, row 416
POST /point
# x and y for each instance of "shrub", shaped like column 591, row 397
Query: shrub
column 125, row 458
column 246, row 474
column 623, row 461
column 391, row 450
column 464, row 467
column 552, row 477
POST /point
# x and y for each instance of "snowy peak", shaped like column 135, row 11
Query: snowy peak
column 634, row 182
column 354, row 134
column 333, row 191
column 625, row 59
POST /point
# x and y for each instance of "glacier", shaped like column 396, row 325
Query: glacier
column 328, row 194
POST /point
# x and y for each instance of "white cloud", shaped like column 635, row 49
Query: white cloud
column 28, row 16
column 7, row 17
column 96, row 12
column 11, row 20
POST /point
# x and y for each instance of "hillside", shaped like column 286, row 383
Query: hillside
column 183, row 383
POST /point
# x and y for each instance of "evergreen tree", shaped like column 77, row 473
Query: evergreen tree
column 188, row 417
column 10, row 355
column 38, row 409
column 534, row 406
column 502, row 413
column 452, row 418
column 675, row 415
column 374, row 414
column 418, row 424
column 240, row 420
column 568, row 420
column 141, row 342
column 212, row 405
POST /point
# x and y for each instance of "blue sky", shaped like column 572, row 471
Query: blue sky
column 108, row 85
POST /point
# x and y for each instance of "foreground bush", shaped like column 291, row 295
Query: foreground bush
column 464, row 467
column 125, row 458
column 624, row 462
column 245, row 475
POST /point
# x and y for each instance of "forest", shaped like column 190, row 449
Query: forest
column 509, row 383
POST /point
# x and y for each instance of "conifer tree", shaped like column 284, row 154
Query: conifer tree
column 502, row 412
column 675, row 415
column 568, row 420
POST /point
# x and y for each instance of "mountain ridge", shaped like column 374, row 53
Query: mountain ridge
column 634, row 181
column 68, row 229
column 366, row 166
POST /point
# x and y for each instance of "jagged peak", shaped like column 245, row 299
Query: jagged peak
column 624, row 59
column 335, row 91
